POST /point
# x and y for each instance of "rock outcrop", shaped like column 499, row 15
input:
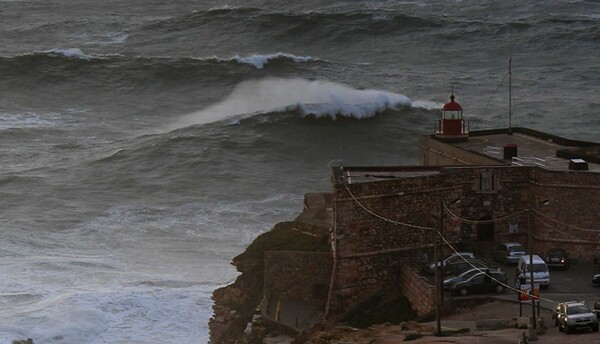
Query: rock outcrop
column 236, row 304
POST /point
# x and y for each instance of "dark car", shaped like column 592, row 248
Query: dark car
column 482, row 282
column 573, row 315
column 452, row 258
column 596, row 279
column 558, row 257
column 457, row 268
column 451, row 280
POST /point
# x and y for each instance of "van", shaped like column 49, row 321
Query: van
column 541, row 274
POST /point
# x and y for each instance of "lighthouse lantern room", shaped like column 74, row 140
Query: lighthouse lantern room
column 451, row 125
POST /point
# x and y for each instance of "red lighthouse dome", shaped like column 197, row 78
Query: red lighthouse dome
column 452, row 105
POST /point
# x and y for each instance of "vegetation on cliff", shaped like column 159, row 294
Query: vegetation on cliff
column 285, row 236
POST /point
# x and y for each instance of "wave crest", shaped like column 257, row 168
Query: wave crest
column 259, row 61
column 316, row 98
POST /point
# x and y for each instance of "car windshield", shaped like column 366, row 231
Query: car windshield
column 578, row 310
column 538, row 268
column 454, row 259
column 515, row 249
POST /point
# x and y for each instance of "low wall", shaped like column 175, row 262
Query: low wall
column 296, row 286
column 417, row 289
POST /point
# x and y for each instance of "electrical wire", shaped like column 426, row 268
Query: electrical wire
column 422, row 228
column 448, row 211
column 481, row 222
column 506, row 286
column 536, row 212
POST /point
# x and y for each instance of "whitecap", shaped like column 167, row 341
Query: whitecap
column 318, row 98
column 259, row 61
column 71, row 53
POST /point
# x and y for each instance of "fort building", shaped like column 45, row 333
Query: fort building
column 472, row 189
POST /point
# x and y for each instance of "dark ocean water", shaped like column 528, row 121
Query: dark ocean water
column 143, row 145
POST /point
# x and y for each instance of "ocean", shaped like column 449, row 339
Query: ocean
column 143, row 145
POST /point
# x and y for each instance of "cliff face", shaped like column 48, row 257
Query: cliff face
column 235, row 304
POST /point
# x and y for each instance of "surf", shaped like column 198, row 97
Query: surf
column 308, row 97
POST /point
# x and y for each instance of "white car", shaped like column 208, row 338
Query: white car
column 452, row 258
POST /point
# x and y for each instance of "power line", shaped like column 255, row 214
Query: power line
column 536, row 212
column 464, row 220
column 481, row 222
column 382, row 217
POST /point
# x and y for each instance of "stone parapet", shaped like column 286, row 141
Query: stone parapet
column 417, row 289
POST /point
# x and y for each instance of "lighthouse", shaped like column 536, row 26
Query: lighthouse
column 451, row 125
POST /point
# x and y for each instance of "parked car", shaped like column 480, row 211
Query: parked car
column 508, row 252
column 457, row 268
column 451, row 280
column 558, row 257
column 482, row 282
column 572, row 315
column 454, row 257
column 596, row 279
column 541, row 275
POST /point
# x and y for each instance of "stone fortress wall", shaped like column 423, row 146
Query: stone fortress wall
column 381, row 228
column 380, row 224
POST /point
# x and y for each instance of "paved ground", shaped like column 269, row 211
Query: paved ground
column 574, row 283
column 509, row 310
column 566, row 285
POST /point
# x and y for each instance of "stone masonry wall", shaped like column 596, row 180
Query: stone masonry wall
column 571, row 217
column 377, row 223
column 297, row 276
column 417, row 289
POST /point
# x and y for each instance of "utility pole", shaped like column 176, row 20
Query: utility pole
column 532, row 288
column 436, row 254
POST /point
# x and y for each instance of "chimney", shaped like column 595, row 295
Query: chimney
column 510, row 151
column 578, row 165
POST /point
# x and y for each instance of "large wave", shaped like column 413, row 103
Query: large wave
column 318, row 98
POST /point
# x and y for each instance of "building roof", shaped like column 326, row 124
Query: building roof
column 533, row 148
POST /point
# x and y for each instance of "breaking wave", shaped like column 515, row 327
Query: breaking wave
column 317, row 98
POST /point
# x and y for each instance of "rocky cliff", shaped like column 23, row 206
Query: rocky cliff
column 235, row 304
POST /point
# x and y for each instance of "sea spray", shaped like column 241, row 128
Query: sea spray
column 319, row 98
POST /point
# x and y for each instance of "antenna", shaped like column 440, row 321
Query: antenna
column 509, row 84
column 510, row 95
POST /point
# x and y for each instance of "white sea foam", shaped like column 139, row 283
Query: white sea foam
column 427, row 104
column 150, row 292
column 72, row 53
column 319, row 98
column 132, row 275
column 106, row 38
column 140, row 314
column 259, row 61
column 28, row 120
